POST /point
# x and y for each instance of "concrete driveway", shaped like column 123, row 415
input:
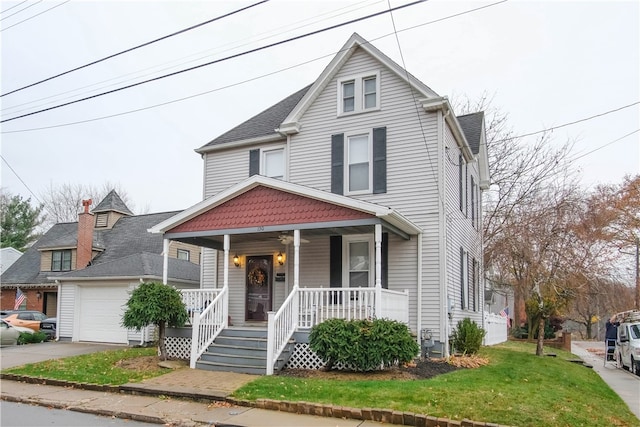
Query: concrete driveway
column 31, row 353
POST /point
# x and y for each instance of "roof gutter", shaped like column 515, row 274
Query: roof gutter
column 442, row 103
column 274, row 137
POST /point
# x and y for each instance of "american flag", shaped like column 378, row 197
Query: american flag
column 20, row 297
column 504, row 312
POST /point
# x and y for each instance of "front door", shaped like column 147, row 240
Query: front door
column 258, row 283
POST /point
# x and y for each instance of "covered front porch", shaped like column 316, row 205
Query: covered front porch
column 287, row 257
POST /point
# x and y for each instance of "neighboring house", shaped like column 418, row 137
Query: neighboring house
column 82, row 272
column 7, row 257
column 357, row 196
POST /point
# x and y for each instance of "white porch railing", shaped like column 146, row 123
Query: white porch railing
column 196, row 300
column 208, row 324
column 394, row 305
column 496, row 328
column 306, row 307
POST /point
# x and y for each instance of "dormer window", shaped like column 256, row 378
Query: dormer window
column 61, row 260
column 358, row 94
column 102, row 220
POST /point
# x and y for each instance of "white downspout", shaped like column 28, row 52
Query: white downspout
column 419, row 296
column 225, row 268
column 165, row 260
column 444, row 291
column 296, row 259
column 58, row 304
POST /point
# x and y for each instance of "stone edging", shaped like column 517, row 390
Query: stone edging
column 306, row 408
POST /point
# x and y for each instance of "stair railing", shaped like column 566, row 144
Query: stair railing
column 208, row 325
column 280, row 328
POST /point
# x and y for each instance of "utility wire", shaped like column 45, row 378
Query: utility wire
column 570, row 123
column 174, row 63
column 605, row 145
column 21, row 10
column 21, row 180
column 15, row 5
column 33, row 16
column 237, row 55
column 136, row 47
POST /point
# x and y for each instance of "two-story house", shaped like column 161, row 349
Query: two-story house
column 82, row 272
column 357, row 196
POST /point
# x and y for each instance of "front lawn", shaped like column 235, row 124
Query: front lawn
column 97, row 368
column 516, row 388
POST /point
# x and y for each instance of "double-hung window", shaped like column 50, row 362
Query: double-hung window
column 268, row 162
column 358, row 256
column 61, row 260
column 357, row 94
column 359, row 163
column 184, row 254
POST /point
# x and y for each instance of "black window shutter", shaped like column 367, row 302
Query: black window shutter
column 463, row 304
column 254, row 162
column 337, row 163
column 335, row 261
column 385, row 260
column 379, row 160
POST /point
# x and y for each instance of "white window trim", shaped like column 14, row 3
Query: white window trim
column 355, row 238
column 263, row 163
column 358, row 106
column 369, row 189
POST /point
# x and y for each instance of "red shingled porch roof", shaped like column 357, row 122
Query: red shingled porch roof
column 264, row 206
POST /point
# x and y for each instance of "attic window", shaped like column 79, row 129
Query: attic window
column 102, row 220
column 357, row 94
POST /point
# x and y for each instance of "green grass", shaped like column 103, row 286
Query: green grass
column 516, row 388
column 95, row 368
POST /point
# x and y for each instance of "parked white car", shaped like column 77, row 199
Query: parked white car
column 628, row 346
column 9, row 334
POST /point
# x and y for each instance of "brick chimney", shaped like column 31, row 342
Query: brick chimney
column 85, row 236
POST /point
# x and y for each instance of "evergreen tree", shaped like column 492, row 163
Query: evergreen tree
column 18, row 222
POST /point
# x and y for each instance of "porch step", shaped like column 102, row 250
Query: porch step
column 241, row 350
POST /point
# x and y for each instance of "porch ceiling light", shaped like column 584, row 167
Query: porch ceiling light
column 280, row 258
column 236, row 260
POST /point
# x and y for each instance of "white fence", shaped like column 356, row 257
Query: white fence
column 496, row 328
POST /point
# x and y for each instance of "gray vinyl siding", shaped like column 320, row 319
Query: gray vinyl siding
column 65, row 316
column 461, row 234
column 412, row 169
column 208, row 270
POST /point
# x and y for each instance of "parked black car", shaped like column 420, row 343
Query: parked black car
column 49, row 327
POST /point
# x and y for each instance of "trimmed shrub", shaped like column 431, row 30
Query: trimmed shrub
column 363, row 345
column 27, row 338
column 467, row 338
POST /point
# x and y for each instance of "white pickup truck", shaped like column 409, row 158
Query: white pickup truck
column 628, row 342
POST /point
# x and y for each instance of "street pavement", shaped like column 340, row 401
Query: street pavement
column 187, row 397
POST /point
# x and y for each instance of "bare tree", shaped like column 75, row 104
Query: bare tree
column 520, row 169
column 63, row 202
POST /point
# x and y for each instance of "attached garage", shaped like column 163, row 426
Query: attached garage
column 100, row 310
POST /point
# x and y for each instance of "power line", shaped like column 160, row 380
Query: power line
column 135, row 47
column 21, row 10
column 15, row 5
column 605, row 145
column 237, row 55
column 174, row 64
column 18, row 176
column 570, row 123
column 33, row 16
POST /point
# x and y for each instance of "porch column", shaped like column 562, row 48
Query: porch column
column 165, row 261
column 378, row 243
column 225, row 264
column 296, row 258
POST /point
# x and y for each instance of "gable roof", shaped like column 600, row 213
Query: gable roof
column 264, row 124
column 112, row 202
column 472, row 126
column 378, row 212
column 290, row 123
column 128, row 237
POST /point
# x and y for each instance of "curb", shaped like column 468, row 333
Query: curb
column 304, row 408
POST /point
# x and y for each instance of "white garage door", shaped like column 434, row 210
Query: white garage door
column 101, row 310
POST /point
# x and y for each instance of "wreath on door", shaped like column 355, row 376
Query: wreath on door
column 257, row 277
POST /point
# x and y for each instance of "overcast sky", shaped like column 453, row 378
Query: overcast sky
column 543, row 63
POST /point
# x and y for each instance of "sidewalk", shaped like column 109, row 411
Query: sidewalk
column 161, row 409
column 624, row 383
